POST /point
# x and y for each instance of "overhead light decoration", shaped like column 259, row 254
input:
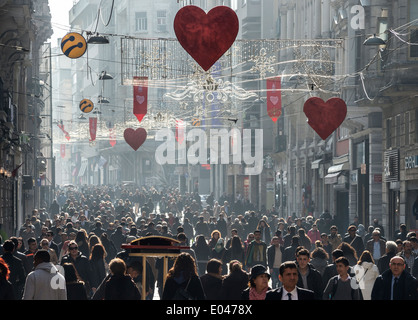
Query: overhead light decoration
column 103, row 100
column 208, row 89
column 97, row 39
column 374, row 41
column 105, row 76
column 262, row 63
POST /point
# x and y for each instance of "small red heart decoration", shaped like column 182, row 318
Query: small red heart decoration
column 325, row 117
column 135, row 138
column 206, row 37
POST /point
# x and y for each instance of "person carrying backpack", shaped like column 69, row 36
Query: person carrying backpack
column 342, row 286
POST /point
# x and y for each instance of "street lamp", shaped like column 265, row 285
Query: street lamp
column 105, row 76
column 97, row 40
column 374, row 41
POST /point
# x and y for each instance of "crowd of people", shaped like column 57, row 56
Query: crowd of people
column 73, row 251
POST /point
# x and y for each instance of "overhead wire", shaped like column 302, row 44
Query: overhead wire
column 342, row 77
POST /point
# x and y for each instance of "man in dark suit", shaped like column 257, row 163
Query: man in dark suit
column 52, row 244
column 395, row 283
column 289, row 291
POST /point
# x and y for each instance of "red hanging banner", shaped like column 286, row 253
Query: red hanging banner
column 62, row 151
column 61, row 126
column 180, row 131
column 274, row 98
column 92, row 128
column 140, row 97
column 112, row 137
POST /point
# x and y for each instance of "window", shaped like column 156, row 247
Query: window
column 416, row 126
column 407, row 128
column 141, row 22
column 359, row 154
column 398, row 131
column 162, row 21
column 413, row 36
column 382, row 26
column 388, row 133
column 343, row 133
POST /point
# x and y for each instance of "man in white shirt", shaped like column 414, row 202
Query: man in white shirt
column 274, row 260
column 376, row 245
column 289, row 291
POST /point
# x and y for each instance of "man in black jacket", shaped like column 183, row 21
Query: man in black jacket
column 395, row 283
column 289, row 291
column 354, row 240
column 17, row 271
column 308, row 276
column 384, row 261
column 212, row 280
column 81, row 262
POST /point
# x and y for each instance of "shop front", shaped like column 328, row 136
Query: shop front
column 411, row 187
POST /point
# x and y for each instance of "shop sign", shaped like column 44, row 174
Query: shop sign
column 391, row 165
column 377, row 178
column 411, row 162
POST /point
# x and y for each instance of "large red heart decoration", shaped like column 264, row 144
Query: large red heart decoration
column 325, row 117
column 135, row 138
column 206, row 37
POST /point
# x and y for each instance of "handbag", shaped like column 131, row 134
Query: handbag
column 182, row 293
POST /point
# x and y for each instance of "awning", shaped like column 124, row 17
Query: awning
column 332, row 178
column 83, row 168
column 339, row 167
column 315, row 164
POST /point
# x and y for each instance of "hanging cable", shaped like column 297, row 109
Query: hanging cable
column 110, row 16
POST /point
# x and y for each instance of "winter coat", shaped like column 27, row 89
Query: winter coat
column 121, row 288
column 45, row 283
column 271, row 253
column 194, row 287
column 17, row 273
column 6, row 289
column 203, row 254
column 234, row 284
column 335, row 241
column 366, row 274
column 370, row 247
column 350, row 293
column 383, row 263
column 81, row 264
column 212, row 285
column 98, row 272
column 314, row 282
column 408, row 286
column 319, row 264
column 76, row 291
column 314, row 235
column 118, row 238
column 356, row 242
column 249, row 260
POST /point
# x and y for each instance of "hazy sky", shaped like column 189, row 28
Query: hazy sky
column 59, row 12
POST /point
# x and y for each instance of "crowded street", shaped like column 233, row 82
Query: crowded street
column 209, row 157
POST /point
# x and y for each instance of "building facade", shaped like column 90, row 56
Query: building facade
column 25, row 26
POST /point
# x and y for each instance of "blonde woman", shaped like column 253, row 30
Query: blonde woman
column 366, row 273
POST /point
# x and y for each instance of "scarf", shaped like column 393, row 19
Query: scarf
column 219, row 246
column 254, row 295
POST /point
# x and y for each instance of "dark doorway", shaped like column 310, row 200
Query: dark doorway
column 341, row 216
